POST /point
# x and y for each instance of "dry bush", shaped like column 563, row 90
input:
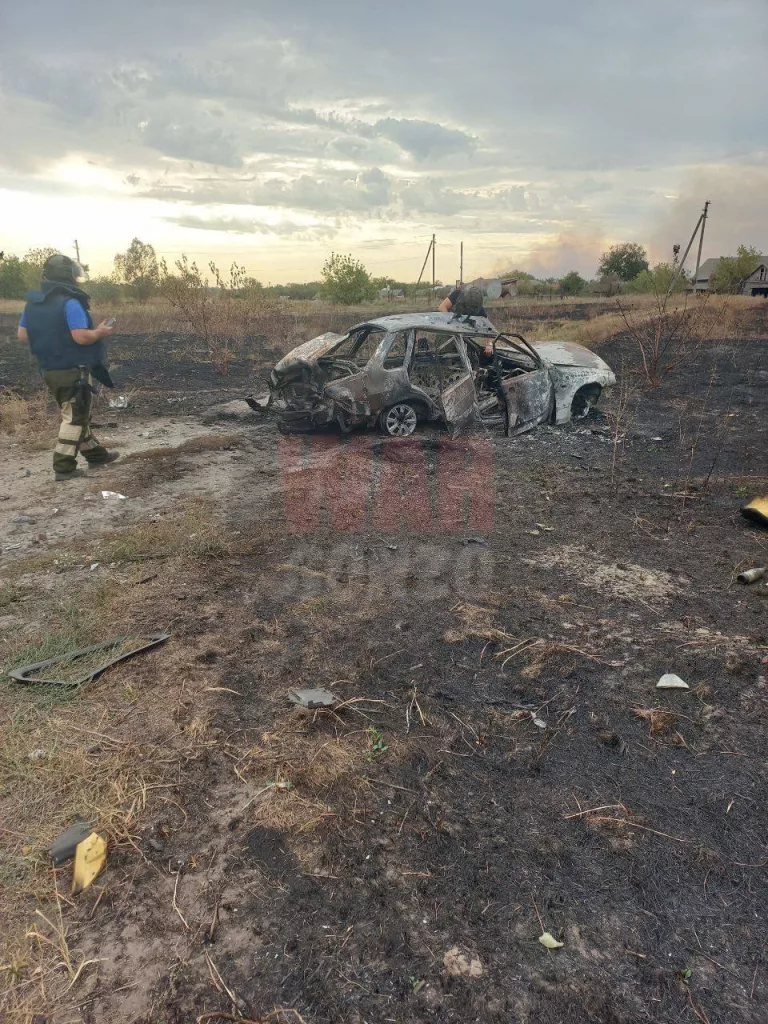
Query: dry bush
column 223, row 314
column 27, row 420
column 675, row 327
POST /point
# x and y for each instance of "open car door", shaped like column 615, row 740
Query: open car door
column 458, row 398
column 530, row 395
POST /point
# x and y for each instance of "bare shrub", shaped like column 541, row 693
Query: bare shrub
column 674, row 328
column 224, row 314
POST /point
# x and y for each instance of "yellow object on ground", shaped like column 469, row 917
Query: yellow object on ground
column 757, row 511
column 90, row 858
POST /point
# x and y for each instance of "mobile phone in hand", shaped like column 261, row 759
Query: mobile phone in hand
column 111, row 322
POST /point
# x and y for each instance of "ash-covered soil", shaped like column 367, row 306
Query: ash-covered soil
column 497, row 614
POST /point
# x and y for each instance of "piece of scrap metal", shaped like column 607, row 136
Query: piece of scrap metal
column 313, row 699
column 751, row 575
column 63, row 847
column 31, row 673
column 757, row 511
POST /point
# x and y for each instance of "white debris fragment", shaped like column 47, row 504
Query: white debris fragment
column 113, row 494
column 672, row 682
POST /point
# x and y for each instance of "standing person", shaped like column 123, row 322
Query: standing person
column 69, row 351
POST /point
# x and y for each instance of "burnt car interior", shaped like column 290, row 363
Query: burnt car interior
column 436, row 363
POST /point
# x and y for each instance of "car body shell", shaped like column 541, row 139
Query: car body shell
column 435, row 363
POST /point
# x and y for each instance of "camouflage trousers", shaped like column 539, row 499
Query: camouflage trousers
column 74, row 401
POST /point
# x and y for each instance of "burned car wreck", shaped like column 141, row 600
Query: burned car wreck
column 399, row 371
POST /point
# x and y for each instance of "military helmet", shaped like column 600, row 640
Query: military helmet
column 63, row 270
column 469, row 302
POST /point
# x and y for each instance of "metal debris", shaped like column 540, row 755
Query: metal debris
column 757, row 511
column 751, row 575
column 35, row 673
column 113, row 494
column 90, row 858
column 313, row 698
column 25, row 520
column 120, row 402
column 63, row 847
column 672, row 682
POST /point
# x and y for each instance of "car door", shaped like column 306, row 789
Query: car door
column 457, row 398
column 530, row 396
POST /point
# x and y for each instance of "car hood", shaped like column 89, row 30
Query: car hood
column 568, row 353
column 308, row 353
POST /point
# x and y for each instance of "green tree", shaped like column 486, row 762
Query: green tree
column 105, row 291
column 138, row 268
column 573, row 283
column 658, row 281
column 732, row 271
column 33, row 263
column 626, row 261
column 346, row 281
column 13, row 284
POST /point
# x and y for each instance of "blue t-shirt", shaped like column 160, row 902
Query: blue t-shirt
column 77, row 318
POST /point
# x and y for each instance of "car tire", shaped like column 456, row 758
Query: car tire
column 399, row 420
column 584, row 399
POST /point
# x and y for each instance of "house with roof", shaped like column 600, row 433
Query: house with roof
column 706, row 270
column 755, row 284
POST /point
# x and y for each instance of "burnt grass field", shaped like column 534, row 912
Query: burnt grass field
column 494, row 615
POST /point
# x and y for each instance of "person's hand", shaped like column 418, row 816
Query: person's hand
column 104, row 330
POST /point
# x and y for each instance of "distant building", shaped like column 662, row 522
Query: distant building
column 706, row 270
column 392, row 293
column 757, row 282
column 496, row 288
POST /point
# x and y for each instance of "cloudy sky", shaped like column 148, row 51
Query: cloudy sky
column 273, row 133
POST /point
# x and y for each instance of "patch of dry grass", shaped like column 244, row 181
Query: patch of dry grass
column 104, row 753
column 30, row 421
column 195, row 533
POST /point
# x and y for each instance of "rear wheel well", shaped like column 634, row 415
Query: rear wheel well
column 586, row 397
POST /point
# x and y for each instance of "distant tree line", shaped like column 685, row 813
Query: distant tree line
column 138, row 275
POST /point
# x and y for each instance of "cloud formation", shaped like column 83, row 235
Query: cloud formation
column 553, row 129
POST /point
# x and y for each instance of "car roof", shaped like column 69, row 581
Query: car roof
column 447, row 322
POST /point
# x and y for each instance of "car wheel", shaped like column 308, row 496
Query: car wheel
column 399, row 420
column 583, row 401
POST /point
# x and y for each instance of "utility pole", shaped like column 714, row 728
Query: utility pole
column 461, row 267
column 701, row 243
column 433, row 266
column 77, row 250
column 424, row 264
column 699, row 225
